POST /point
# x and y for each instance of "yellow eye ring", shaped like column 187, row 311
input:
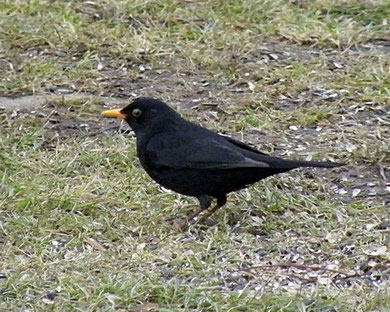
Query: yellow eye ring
column 136, row 112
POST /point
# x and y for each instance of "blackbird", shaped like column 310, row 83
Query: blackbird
column 194, row 161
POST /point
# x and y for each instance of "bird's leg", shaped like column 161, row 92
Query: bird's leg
column 221, row 200
column 189, row 216
column 204, row 203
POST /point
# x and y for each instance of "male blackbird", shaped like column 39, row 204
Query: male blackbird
column 195, row 161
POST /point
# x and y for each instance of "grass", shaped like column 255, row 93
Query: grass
column 82, row 226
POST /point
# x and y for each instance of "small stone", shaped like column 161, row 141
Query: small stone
column 338, row 65
column 356, row 192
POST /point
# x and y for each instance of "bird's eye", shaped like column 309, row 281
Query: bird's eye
column 136, row 112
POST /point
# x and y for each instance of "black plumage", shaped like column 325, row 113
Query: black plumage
column 194, row 161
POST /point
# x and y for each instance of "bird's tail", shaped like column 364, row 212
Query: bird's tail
column 287, row 164
column 299, row 163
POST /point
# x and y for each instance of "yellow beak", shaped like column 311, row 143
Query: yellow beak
column 114, row 113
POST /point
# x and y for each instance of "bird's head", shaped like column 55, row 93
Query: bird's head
column 145, row 115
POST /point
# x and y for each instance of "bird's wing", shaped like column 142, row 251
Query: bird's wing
column 198, row 152
column 242, row 145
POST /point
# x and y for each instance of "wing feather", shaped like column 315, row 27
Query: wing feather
column 197, row 152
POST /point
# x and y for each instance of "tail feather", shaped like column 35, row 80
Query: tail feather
column 326, row 164
column 299, row 164
column 276, row 162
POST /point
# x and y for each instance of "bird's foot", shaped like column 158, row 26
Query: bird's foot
column 177, row 223
column 170, row 219
column 181, row 224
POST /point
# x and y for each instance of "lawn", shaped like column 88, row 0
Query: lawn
column 82, row 226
